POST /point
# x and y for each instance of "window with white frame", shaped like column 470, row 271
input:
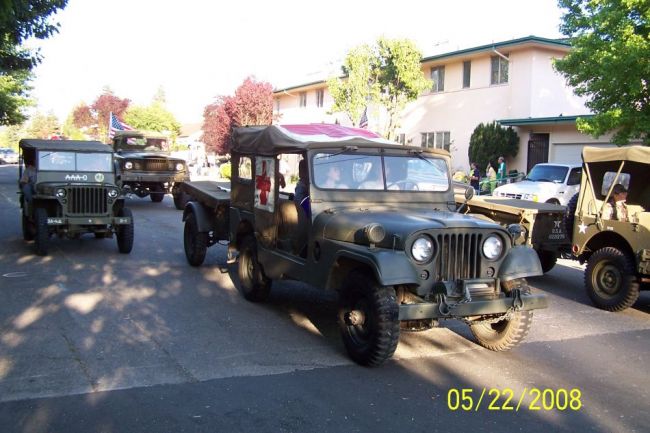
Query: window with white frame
column 436, row 140
column 467, row 73
column 303, row 99
column 499, row 70
column 401, row 138
column 320, row 96
column 438, row 79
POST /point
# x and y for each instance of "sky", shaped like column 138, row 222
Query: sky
column 196, row 50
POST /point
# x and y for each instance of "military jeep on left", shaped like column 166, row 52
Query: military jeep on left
column 67, row 188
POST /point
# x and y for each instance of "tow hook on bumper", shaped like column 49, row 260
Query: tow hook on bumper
column 477, row 307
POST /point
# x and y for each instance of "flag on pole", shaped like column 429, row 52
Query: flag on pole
column 115, row 125
column 363, row 123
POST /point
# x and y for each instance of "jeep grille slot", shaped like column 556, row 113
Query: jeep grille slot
column 154, row 164
column 87, row 200
column 459, row 256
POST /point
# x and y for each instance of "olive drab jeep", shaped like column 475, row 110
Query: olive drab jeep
column 147, row 169
column 69, row 189
column 379, row 226
column 615, row 247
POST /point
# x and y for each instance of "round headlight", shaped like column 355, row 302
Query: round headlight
column 112, row 193
column 375, row 232
column 128, row 165
column 179, row 166
column 422, row 249
column 60, row 192
column 492, row 247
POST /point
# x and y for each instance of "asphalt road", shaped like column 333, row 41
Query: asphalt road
column 96, row 341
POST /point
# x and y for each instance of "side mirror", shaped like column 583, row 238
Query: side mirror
column 469, row 193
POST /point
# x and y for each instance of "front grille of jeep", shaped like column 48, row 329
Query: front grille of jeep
column 459, row 256
column 83, row 200
column 156, row 165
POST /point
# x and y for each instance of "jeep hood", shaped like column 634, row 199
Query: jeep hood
column 348, row 225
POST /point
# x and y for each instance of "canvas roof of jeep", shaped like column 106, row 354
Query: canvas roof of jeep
column 274, row 139
column 626, row 153
column 65, row 145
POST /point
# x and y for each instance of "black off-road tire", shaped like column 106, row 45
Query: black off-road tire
column 29, row 231
column 505, row 334
column 375, row 339
column 253, row 284
column 610, row 279
column 195, row 242
column 157, row 194
column 180, row 200
column 125, row 232
column 570, row 215
column 42, row 235
column 548, row 259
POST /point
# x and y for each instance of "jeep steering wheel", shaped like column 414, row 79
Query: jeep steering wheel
column 405, row 185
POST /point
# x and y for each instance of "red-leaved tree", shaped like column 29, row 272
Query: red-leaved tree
column 94, row 118
column 252, row 104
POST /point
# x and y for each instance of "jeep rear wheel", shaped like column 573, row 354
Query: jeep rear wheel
column 157, row 193
column 547, row 259
column 610, row 280
column 368, row 319
column 194, row 241
column 125, row 232
column 502, row 335
column 42, row 235
column 28, row 229
column 253, row 284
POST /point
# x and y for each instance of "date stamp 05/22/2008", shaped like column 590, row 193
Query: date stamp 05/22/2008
column 506, row 399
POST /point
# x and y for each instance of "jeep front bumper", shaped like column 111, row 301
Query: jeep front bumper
column 476, row 307
column 85, row 221
column 161, row 177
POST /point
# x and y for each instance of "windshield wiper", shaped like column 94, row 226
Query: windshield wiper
column 345, row 149
column 418, row 153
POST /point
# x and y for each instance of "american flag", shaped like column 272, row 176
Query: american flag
column 116, row 125
column 363, row 123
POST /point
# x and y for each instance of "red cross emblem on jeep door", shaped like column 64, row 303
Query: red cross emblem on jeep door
column 263, row 183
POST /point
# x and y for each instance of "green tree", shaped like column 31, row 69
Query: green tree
column 352, row 94
column 388, row 73
column 154, row 117
column 398, row 73
column 42, row 126
column 608, row 64
column 21, row 20
column 489, row 141
column 10, row 136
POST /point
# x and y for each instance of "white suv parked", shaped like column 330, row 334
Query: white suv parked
column 546, row 183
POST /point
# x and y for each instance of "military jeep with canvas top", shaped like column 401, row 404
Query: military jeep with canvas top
column 383, row 232
column 616, row 250
column 147, row 169
column 72, row 191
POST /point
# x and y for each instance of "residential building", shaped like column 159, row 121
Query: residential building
column 512, row 82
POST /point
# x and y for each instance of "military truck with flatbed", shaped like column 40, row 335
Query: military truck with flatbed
column 70, row 190
column 386, row 236
column 146, row 167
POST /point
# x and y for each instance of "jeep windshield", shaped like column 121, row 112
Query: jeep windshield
column 73, row 161
column 548, row 173
column 142, row 144
column 353, row 170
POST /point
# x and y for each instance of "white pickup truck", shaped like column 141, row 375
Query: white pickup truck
column 546, row 183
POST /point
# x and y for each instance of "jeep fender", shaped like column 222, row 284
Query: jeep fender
column 389, row 267
column 203, row 220
column 520, row 262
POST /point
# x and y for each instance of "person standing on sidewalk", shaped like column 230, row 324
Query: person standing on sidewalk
column 501, row 171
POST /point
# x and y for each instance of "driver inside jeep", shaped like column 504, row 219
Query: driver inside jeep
column 616, row 206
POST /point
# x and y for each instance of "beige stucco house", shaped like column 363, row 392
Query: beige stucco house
column 512, row 82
